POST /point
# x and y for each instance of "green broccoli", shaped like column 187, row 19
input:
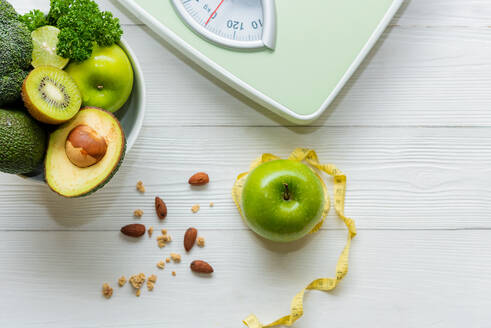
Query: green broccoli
column 15, row 53
column 7, row 12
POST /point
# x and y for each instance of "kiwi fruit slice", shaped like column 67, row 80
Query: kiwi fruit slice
column 51, row 95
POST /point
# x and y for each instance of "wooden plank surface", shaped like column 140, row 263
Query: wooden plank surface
column 411, row 130
column 405, row 178
column 396, row 279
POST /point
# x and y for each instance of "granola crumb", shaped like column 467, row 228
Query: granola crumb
column 150, row 232
column 151, row 282
column 200, row 241
column 138, row 292
column 107, row 291
column 137, row 280
column 164, row 231
column 212, row 204
column 138, row 213
column 163, row 239
column 140, row 187
column 161, row 265
column 195, row 208
column 175, row 257
column 122, row 281
column 167, row 260
column 174, row 273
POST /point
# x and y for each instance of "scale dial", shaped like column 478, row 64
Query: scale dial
column 246, row 24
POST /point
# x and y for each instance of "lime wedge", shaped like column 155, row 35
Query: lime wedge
column 44, row 41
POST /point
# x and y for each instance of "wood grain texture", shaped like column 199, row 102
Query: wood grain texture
column 396, row 279
column 430, row 68
column 411, row 130
column 448, row 13
column 399, row 178
column 415, row 76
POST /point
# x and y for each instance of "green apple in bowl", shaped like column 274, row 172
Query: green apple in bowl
column 105, row 79
column 282, row 200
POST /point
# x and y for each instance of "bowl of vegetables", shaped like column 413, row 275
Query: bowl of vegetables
column 72, row 96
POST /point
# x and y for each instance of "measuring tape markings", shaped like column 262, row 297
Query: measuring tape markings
column 323, row 284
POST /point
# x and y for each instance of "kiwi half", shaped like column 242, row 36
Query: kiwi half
column 51, row 95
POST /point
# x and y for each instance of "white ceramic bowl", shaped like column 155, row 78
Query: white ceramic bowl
column 130, row 115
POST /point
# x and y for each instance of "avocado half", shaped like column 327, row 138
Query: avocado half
column 70, row 180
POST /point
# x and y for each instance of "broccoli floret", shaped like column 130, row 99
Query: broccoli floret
column 15, row 53
column 7, row 12
column 10, row 85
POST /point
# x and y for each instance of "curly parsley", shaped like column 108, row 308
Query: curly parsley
column 34, row 19
column 81, row 25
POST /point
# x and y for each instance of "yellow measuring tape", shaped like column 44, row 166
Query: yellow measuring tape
column 325, row 284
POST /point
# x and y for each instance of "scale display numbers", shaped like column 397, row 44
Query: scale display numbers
column 242, row 24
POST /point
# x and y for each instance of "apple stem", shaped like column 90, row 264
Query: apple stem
column 286, row 194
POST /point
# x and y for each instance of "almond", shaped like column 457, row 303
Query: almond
column 160, row 208
column 190, row 238
column 133, row 230
column 201, row 267
column 199, row 179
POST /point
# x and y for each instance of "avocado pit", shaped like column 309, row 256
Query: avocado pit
column 84, row 147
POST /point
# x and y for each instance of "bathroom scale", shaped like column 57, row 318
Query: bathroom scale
column 291, row 56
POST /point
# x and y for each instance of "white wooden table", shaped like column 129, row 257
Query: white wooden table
column 412, row 130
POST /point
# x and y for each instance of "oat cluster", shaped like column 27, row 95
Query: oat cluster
column 122, row 281
column 195, row 208
column 140, row 187
column 107, row 291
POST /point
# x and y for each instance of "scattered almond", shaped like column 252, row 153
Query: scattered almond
column 212, row 204
column 190, row 238
column 160, row 208
column 175, row 257
column 167, row 260
column 133, row 230
column 140, row 187
column 138, row 292
column 122, row 281
column 195, row 208
column 164, row 231
column 201, row 267
column 138, row 213
column 200, row 242
column 150, row 232
column 161, row 265
column 199, row 179
column 137, row 280
column 107, row 291
column 174, row 273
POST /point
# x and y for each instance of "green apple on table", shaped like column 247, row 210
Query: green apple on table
column 282, row 200
column 105, row 79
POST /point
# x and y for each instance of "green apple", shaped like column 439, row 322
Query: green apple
column 282, row 200
column 105, row 79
